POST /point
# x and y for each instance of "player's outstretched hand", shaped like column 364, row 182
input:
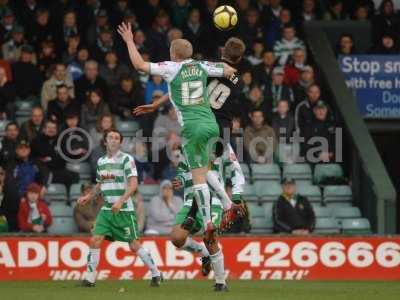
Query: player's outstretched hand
column 143, row 109
column 125, row 31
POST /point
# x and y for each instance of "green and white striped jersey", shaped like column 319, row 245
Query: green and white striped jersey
column 112, row 173
column 187, row 87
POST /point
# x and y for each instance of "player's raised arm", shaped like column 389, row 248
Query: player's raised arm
column 125, row 32
column 149, row 108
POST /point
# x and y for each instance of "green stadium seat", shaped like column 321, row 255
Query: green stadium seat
column 338, row 195
column 245, row 170
column 61, row 209
column 84, row 169
column 127, row 128
column 346, row 212
column 299, row 172
column 312, row 192
column 324, row 171
column 75, row 191
column 63, row 225
column 22, row 119
column 261, row 225
column 268, row 207
column 148, row 191
column 256, row 211
column 287, row 153
column 322, row 212
column 249, row 192
column 23, row 108
column 326, row 226
column 57, row 191
column 266, row 172
column 268, row 191
column 356, row 226
column 3, row 125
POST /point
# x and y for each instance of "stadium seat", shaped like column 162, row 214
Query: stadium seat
column 75, row 191
column 127, row 128
column 268, row 207
column 246, row 171
column 326, row 226
column 84, row 169
column 322, row 212
column 61, row 209
column 356, row 226
column 312, row 192
column 324, row 171
column 57, row 191
column 63, row 225
column 23, row 108
column 148, row 191
column 249, row 192
column 256, row 211
column 301, row 173
column 3, row 125
column 288, row 153
column 346, row 212
column 337, row 195
column 266, row 172
column 261, row 225
column 21, row 119
column 268, row 191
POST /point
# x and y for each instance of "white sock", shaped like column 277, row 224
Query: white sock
column 195, row 247
column 202, row 196
column 148, row 261
column 217, row 262
column 93, row 262
column 218, row 186
column 238, row 179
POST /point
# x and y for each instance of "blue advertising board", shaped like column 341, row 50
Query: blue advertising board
column 375, row 80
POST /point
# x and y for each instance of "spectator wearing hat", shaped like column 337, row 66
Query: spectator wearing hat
column 8, row 22
column 85, row 215
column 44, row 148
column 63, row 103
column 60, row 77
column 94, row 107
column 34, row 214
column 23, row 170
column 322, row 127
column 278, row 90
column 293, row 213
column 7, row 96
column 90, row 81
column 30, row 128
column 286, row 46
column 307, row 78
column 260, row 141
column 9, row 143
column 27, row 77
column 112, row 70
column 162, row 210
column 127, row 95
column 12, row 49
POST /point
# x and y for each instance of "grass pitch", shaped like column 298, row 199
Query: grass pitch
column 188, row 290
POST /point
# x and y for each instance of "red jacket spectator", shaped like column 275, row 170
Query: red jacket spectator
column 34, row 214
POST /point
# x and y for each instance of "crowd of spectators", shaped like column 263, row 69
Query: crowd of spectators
column 65, row 59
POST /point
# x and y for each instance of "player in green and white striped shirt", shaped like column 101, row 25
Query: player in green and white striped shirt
column 116, row 178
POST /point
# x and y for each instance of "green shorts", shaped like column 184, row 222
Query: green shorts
column 199, row 142
column 117, row 227
column 216, row 217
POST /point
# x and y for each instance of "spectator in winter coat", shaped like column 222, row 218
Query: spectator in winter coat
column 94, row 107
column 9, row 143
column 34, row 214
column 30, row 128
column 293, row 213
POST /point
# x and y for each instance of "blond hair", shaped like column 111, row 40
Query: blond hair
column 182, row 49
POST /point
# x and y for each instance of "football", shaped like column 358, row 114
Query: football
column 225, row 17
